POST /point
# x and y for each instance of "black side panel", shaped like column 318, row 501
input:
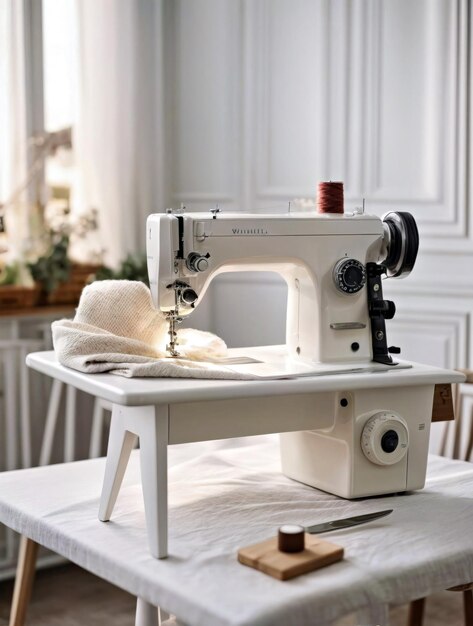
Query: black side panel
column 180, row 220
column 379, row 310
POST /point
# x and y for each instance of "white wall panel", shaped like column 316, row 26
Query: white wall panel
column 287, row 90
column 407, row 64
column 425, row 335
column 371, row 92
column 415, row 111
column 202, row 56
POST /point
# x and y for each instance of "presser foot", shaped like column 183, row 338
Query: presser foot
column 171, row 347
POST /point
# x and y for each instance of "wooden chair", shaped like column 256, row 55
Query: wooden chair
column 416, row 608
column 459, row 424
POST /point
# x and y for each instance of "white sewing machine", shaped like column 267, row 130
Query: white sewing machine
column 332, row 264
column 335, row 308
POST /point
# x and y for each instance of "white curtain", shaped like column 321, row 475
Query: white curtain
column 13, row 122
column 119, row 130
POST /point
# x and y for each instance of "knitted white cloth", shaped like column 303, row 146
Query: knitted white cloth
column 117, row 329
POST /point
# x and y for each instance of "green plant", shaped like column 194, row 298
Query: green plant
column 54, row 267
column 134, row 267
column 8, row 274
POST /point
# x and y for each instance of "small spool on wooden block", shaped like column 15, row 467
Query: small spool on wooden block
column 291, row 538
column 267, row 557
column 330, row 197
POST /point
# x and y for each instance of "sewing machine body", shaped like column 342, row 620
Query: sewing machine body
column 303, row 248
column 376, row 439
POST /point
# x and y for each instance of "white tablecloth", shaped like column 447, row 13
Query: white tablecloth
column 222, row 498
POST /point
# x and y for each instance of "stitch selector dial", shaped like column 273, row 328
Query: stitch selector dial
column 349, row 275
column 385, row 438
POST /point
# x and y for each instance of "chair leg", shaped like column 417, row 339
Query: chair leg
column 445, row 435
column 458, row 424
column 51, row 421
column 468, row 607
column 25, row 417
column 96, row 431
column 11, row 409
column 416, row 612
column 469, row 448
column 24, row 581
column 70, row 424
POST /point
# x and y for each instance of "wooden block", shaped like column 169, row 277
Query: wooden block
column 266, row 557
column 442, row 408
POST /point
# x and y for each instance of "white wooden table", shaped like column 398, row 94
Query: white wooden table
column 167, row 411
column 226, row 495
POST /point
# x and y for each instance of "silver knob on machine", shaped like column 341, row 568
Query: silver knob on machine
column 196, row 262
column 188, row 296
column 385, row 438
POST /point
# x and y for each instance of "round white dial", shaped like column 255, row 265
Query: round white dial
column 385, row 438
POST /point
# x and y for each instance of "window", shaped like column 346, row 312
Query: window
column 33, row 99
column 61, row 82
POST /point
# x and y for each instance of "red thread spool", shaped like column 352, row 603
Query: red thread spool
column 330, row 198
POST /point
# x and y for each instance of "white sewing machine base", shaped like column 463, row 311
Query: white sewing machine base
column 163, row 412
column 273, row 362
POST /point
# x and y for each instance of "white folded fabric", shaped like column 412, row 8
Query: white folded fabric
column 117, row 329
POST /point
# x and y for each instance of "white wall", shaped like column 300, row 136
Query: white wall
column 267, row 97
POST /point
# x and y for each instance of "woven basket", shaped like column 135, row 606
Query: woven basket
column 17, row 297
column 69, row 292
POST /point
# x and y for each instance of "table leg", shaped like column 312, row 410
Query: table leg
column 151, row 425
column 154, row 436
column 120, row 444
column 146, row 614
column 24, row 581
column 149, row 615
